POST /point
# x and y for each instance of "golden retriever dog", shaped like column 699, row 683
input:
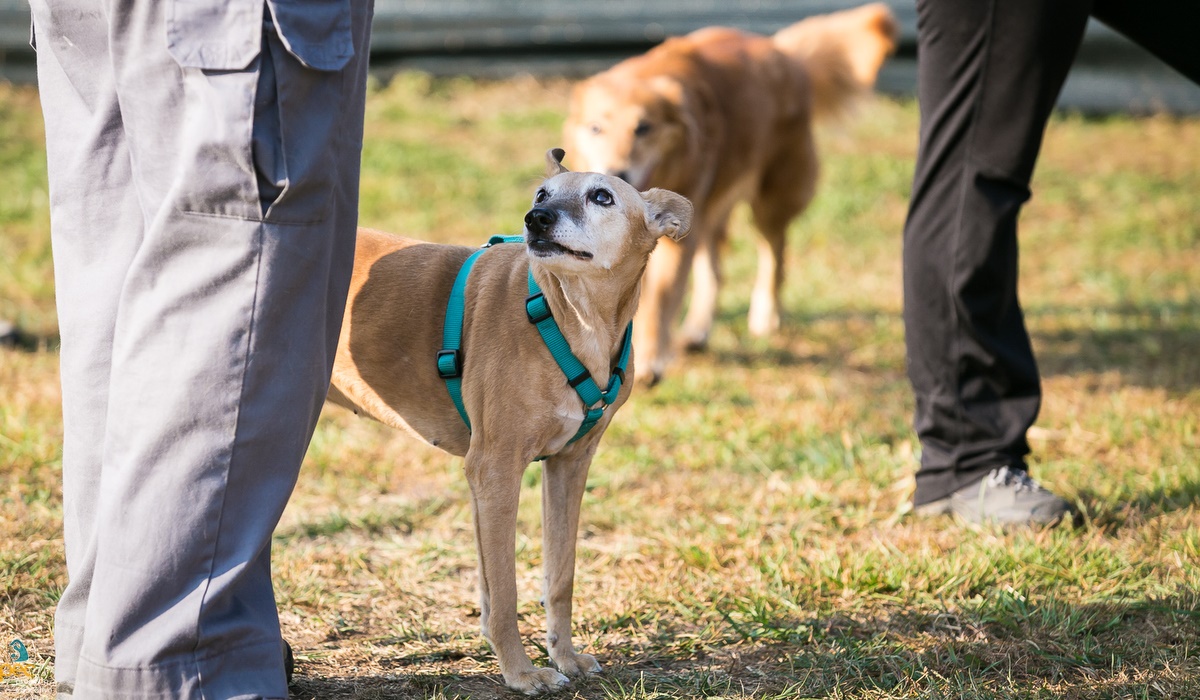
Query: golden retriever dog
column 723, row 116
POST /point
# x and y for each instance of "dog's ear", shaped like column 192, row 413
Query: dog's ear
column 554, row 164
column 670, row 89
column 681, row 105
column 667, row 214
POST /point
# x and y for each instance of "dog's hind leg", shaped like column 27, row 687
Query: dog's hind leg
column 787, row 187
column 706, row 286
column 495, row 490
column 563, row 481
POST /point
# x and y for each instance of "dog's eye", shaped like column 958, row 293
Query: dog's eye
column 596, row 129
column 602, row 197
column 540, row 197
column 643, row 127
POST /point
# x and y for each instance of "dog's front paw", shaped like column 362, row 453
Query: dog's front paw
column 648, row 377
column 536, row 680
column 576, row 664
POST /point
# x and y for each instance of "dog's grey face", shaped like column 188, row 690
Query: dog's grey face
column 585, row 221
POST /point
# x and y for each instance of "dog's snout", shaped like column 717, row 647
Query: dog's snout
column 539, row 220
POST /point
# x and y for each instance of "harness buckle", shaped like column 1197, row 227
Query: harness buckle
column 536, row 316
column 583, row 377
column 449, row 364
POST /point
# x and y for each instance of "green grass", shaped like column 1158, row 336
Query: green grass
column 746, row 529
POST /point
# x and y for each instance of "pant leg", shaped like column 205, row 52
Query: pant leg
column 96, row 227
column 225, row 326
column 1166, row 28
column 989, row 72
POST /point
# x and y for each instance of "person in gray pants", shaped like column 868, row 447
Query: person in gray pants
column 203, row 164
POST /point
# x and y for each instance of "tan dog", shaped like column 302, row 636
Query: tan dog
column 723, row 116
column 588, row 238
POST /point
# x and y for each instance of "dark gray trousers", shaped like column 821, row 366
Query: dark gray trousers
column 989, row 74
column 203, row 168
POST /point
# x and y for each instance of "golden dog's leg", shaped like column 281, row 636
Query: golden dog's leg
column 662, row 294
column 786, row 189
column 764, row 300
column 563, row 482
column 495, row 490
column 706, row 287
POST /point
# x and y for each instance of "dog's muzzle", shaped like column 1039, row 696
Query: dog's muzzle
column 538, row 236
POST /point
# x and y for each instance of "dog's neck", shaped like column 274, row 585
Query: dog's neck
column 592, row 313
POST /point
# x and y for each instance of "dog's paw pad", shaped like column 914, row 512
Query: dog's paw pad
column 538, row 680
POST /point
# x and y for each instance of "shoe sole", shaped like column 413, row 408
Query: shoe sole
column 940, row 508
column 933, row 509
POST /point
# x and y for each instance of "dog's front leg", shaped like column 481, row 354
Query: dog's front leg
column 495, row 490
column 563, row 482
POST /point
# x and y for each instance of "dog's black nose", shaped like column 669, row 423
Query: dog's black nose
column 540, row 220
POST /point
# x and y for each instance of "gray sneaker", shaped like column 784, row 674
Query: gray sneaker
column 1006, row 496
column 8, row 334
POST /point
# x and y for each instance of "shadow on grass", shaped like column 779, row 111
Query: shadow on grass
column 758, row 352
column 398, row 685
column 997, row 645
column 20, row 339
column 1150, row 345
column 1116, row 513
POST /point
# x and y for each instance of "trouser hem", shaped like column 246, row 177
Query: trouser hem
column 238, row 674
column 934, row 485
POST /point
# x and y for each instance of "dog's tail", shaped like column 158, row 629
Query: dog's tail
column 842, row 52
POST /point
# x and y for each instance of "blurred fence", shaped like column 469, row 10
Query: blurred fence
column 573, row 38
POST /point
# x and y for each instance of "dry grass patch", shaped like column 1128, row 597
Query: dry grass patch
column 745, row 526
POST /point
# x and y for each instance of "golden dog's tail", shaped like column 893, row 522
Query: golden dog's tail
column 842, row 52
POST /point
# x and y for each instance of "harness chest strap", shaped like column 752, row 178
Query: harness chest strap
column 450, row 358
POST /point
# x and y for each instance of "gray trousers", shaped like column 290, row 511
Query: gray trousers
column 203, row 167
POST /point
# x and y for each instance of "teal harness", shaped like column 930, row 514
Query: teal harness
column 450, row 358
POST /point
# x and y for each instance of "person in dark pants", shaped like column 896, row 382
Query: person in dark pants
column 989, row 74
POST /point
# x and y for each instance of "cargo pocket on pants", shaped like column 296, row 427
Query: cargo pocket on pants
column 299, row 108
column 264, row 84
column 317, row 32
column 214, row 35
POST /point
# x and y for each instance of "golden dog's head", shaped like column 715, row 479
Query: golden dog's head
column 637, row 130
column 585, row 223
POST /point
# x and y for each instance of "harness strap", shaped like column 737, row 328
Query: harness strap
column 580, row 379
column 450, row 357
